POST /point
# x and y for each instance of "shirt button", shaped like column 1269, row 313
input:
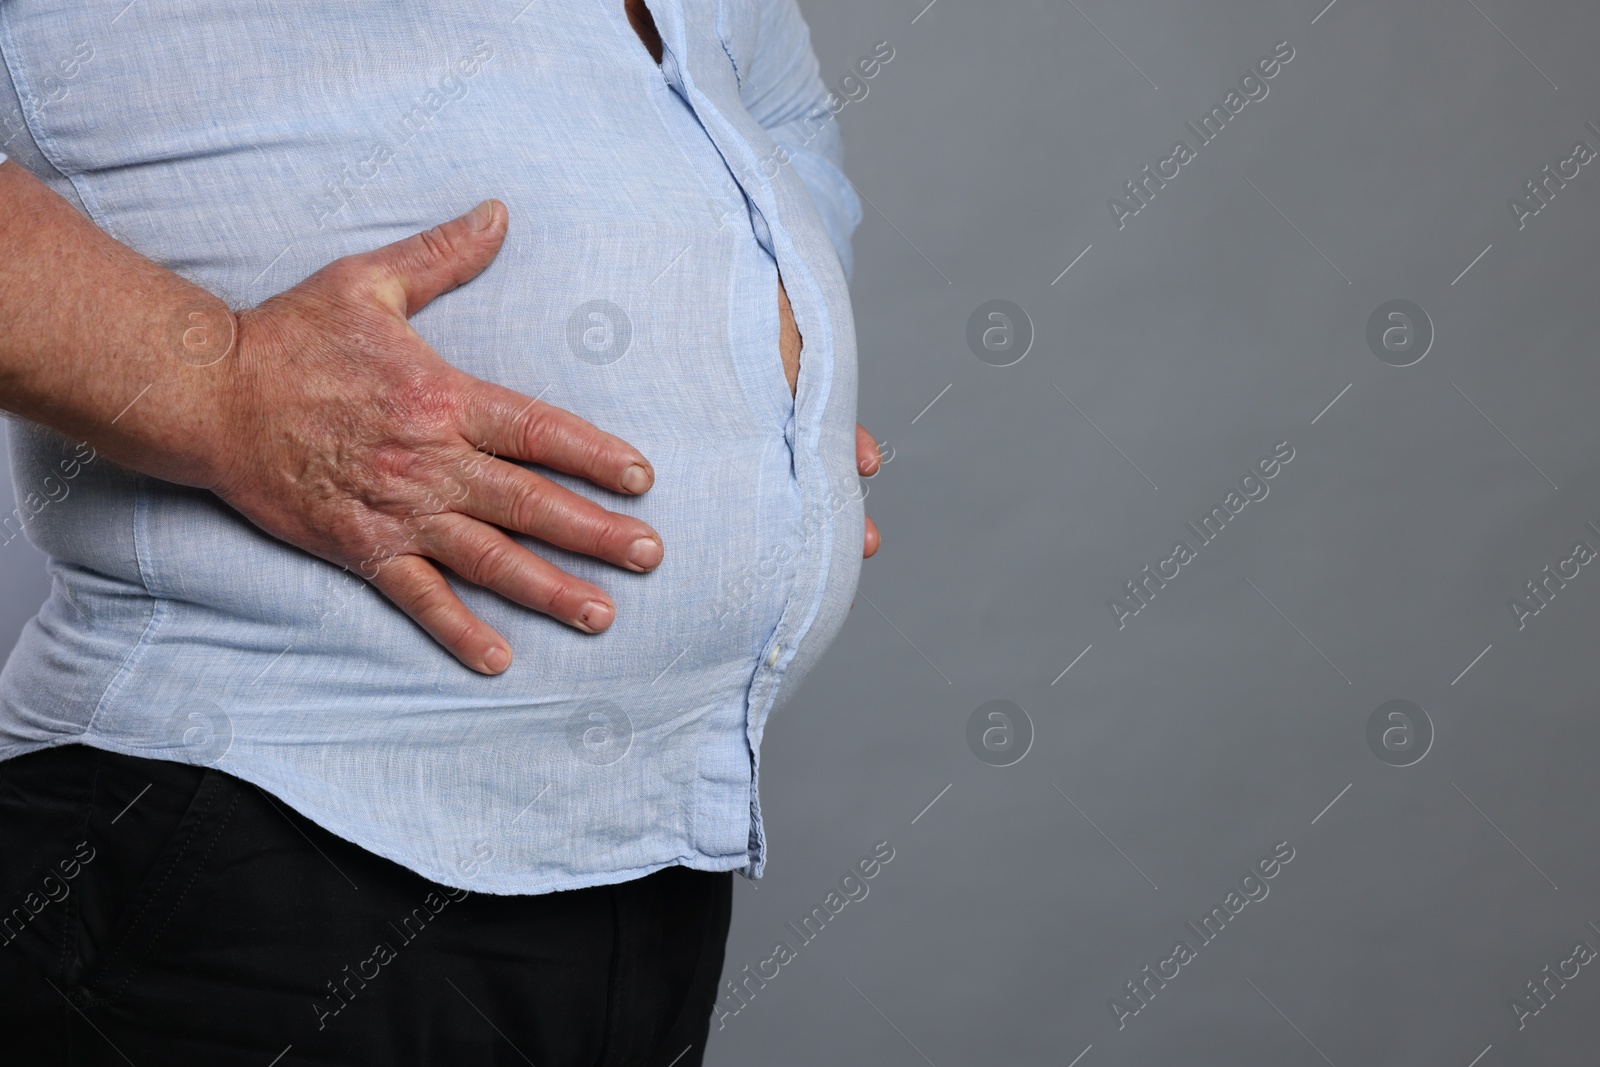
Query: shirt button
column 772, row 657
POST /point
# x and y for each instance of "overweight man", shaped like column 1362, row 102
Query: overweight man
column 421, row 590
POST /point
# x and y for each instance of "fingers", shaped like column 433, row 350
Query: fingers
column 868, row 459
column 408, row 274
column 419, row 590
column 517, row 427
column 517, row 499
column 486, row 556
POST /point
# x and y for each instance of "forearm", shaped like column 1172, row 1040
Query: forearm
column 103, row 345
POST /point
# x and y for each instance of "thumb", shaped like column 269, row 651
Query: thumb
column 408, row 274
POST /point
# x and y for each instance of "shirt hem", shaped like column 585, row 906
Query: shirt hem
column 504, row 886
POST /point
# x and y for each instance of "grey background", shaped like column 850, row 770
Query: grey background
column 1232, row 711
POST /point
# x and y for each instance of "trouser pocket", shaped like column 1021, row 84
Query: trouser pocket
column 158, row 872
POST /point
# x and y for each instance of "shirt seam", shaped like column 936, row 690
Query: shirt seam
column 48, row 150
column 158, row 608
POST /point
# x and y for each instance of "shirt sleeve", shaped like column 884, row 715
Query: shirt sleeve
column 786, row 95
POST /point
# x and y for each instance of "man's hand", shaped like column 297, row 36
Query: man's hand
column 352, row 439
column 869, row 461
column 321, row 415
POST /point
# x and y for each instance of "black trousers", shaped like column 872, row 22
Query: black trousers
column 156, row 913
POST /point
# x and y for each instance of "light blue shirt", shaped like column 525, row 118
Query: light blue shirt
column 247, row 145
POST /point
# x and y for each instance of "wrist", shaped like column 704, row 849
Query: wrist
column 205, row 341
column 180, row 427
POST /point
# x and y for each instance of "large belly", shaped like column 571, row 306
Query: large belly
column 662, row 332
column 630, row 290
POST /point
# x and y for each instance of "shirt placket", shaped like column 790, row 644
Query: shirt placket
column 760, row 198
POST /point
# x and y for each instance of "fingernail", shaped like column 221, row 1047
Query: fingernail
column 636, row 479
column 480, row 217
column 496, row 659
column 645, row 553
column 595, row 616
